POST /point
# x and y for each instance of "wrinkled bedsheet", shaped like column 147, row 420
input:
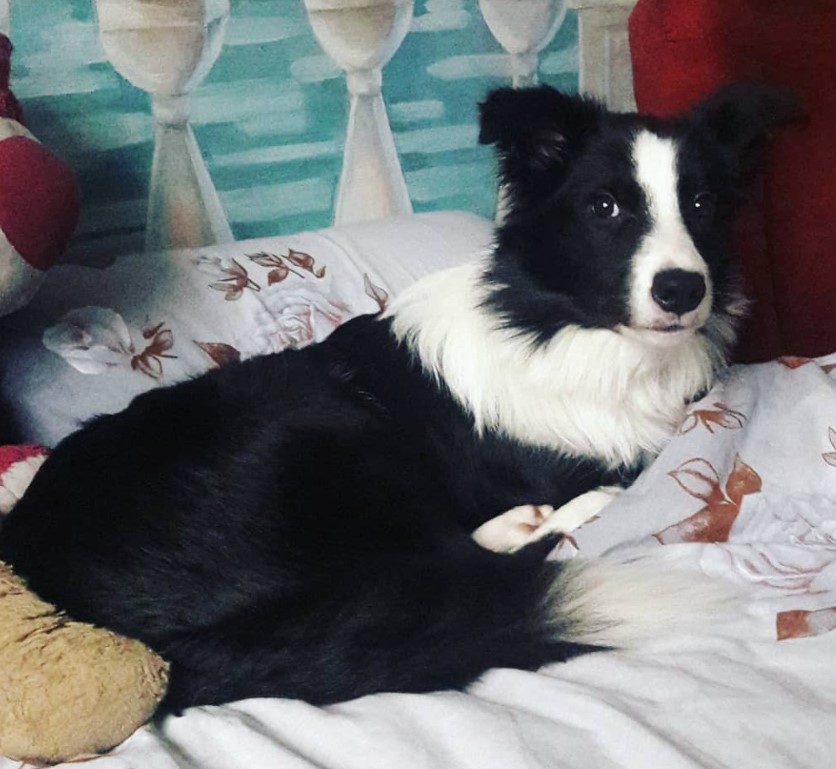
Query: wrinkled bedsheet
column 745, row 492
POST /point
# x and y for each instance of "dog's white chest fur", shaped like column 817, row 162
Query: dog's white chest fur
column 588, row 392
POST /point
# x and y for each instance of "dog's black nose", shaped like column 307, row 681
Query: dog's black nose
column 678, row 291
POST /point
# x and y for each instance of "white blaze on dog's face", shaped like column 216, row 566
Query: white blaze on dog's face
column 671, row 290
column 619, row 221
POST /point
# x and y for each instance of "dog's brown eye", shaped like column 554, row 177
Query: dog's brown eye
column 705, row 204
column 604, row 206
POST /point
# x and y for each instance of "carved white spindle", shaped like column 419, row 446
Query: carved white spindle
column 361, row 36
column 523, row 28
column 605, row 70
column 166, row 48
column 5, row 22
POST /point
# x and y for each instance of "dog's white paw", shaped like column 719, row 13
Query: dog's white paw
column 513, row 528
column 522, row 525
column 577, row 511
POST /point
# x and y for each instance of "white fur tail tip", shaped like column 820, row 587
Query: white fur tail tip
column 626, row 604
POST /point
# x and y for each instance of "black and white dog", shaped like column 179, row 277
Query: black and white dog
column 301, row 524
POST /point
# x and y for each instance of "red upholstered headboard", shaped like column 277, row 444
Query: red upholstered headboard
column 682, row 50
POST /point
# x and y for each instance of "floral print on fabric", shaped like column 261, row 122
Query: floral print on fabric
column 745, row 492
column 231, row 279
column 220, row 353
column 302, row 316
column 273, row 299
column 796, row 361
column 95, row 339
column 830, row 456
column 375, row 292
column 719, row 415
column 281, row 266
column 713, row 521
column 150, row 360
column 800, row 623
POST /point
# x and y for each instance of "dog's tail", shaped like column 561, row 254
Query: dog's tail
column 432, row 622
column 611, row 604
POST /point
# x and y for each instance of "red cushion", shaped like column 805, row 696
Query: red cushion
column 39, row 202
column 683, row 50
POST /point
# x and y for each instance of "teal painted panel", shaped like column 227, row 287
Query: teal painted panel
column 270, row 117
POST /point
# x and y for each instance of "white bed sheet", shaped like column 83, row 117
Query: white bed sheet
column 757, row 473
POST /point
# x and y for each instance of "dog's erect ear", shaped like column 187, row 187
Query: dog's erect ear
column 743, row 116
column 535, row 129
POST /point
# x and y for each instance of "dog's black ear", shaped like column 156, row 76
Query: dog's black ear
column 535, row 129
column 743, row 116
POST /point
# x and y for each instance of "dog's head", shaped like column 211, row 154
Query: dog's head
column 617, row 220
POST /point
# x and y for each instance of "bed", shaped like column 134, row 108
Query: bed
column 746, row 491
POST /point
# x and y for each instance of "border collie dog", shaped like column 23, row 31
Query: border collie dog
column 302, row 524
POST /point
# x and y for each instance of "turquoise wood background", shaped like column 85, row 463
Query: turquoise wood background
column 269, row 118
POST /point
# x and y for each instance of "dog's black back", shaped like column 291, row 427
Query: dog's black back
column 277, row 503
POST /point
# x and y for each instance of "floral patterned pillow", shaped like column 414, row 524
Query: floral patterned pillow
column 288, row 300
column 92, row 338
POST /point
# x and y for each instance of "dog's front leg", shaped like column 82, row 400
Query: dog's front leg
column 524, row 524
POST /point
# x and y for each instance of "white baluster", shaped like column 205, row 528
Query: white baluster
column 166, row 47
column 604, row 67
column 523, row 28
column 361, row 36
column 5, row 23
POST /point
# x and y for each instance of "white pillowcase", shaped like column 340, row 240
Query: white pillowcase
column 93, row 338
